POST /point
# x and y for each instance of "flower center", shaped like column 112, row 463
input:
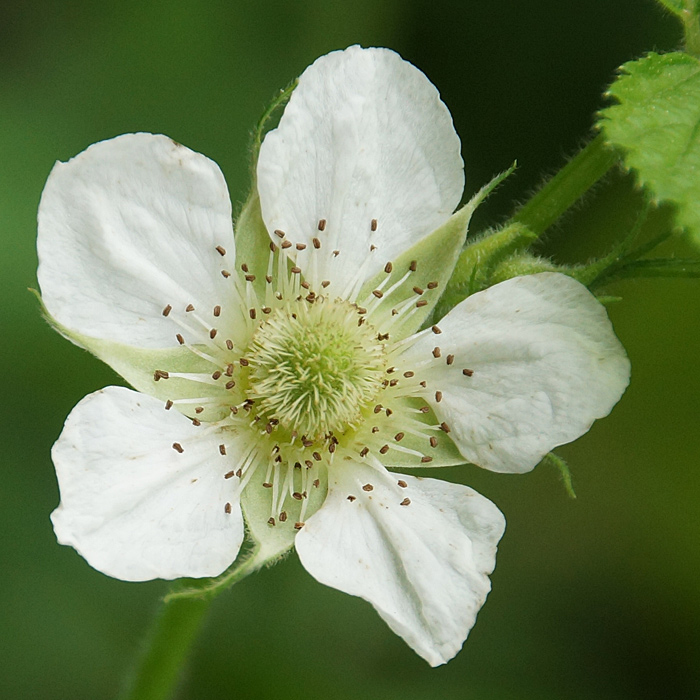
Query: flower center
column 315, row 366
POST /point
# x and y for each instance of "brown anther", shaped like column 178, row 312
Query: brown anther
column 316, row 242
column 423, row 384
column 325, row 283
column 306, row 442
column 306, row 285
column 375, row 429
column 273, row 247
column 402, row 483
column 383, row 449
column 244, row 362
column 418, row 290
column 394, row 312
column 467, row 372
column 321, row 224
column 267, row 485
column 239, row 473
column 421, row 303
column 221, row 250
column 216, row 375
column 300, row 246
column 167, row 310
column 444, row 427
column 189, row 307
column 382, row 336
column 229, row 344
column 270, row 521
column 436, row 330
column 160, row 374
column 405, row 502
column 450, row 359
column 378, row 408
column 178, row 447
column 361, row 310
column 296, row 270
column 180, row 339
column 286, row 244
column 364, row 451
column 212, row 333
column 196, row 422
column 227, row 508
column 438, row 396
column 244, row 267
column 372, row 248
column 233, row 409
column 225, row 273
column 252, row 313
column 393, row 382
column 269, row 428
column 399, row 436
column 436, row 352
column 391, row 370
column 331, row 448
column 432, row 285
column 408, row 374
column 368, row 487
column 283, row 516
column 296, row 495
column 426, row 459
column 308, row 463
column 279, row 233
column 388, row 411
column 316, row 483
column 222, row 449
column 352, row 498
column 373, row 225
column 298, row 526
column 414, row 264
column 424, row 409
column 316, row 456
column 266, row 309
column 229, row 475
column 388, row 268
column 250, row 278
column 230, row 385
column 433, row 441
column 377, row 293
column 168, row 405
column 229, row 370
column 336, row 253
column 268, row 279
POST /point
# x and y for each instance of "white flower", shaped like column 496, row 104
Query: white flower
column 278, row 375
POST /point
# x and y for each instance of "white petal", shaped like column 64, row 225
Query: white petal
column 423, row 566
column 365, row 136
column 127, row 227
column 133, row 506
column 545, row 361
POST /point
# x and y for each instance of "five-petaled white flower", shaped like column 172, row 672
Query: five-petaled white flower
column 278, row 376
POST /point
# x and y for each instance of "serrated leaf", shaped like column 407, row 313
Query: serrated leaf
column 656, row 124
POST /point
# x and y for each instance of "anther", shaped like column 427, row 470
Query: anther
column 160, row 374
column 298, row 526
column 402, row 483
column 225, row 273
column 420, row 303
column 424, row 409
column 408, row 374
column 444, row 427
column 229, row 344
column 230, row 385
column 414, row 264
column 418, row 290
column 336, row 253
column 450, row 359
column 316, row 483
column 286, row 244
column 378, row 408
column 393, row 382
column 244, row 362
column 377, row 293
column 266, row 310
column 180, row 339
column 178, row 447
column 244, row 267
column 432, row 285
column 199, row 409
column 212, row 333
column 227, row 509
column 373, row 225
column 296, row 495
column 268, row 279
column 222, row 449
column 316, row 242
column 279, row 233
column 308, row 463
column 229, row 370
column 398, row 437
column 372, row 248
column 405, row 502
column 229, row 475
column 321, row 224
column 426, row 459
column 267, row 485
column 221, row 250
column 252, row 313
column 273, row 247
column 216, row 375
column 168, row 405
column 250, row 278
column 167, row 310
column 325, row 283
column 352, row 498
column 295, row 270
column 384, row 449
column 368, row 487
column 436, row 352
column 270, row 521
column 239, row 473
column 196, row 422
column 375, row 430
column 433, row 441
column 301, row 246
column 388, row 411
column 382, row 336
column 436, row 330
column 233, row 409
column 438, row 396
column 283, row 516
column 364, row 451
column 189, row 307
column 467, row 372
column 388, row 268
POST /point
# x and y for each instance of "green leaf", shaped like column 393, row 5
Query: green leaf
column 656, row 124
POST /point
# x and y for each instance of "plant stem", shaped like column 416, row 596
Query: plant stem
column 166, row 649
column 567, row 186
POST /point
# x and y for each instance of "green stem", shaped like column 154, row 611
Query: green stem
column 567, row 186
column 166, row 649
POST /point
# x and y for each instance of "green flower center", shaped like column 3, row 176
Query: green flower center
column 315, row 367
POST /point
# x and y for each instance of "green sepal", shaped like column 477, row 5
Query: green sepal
column 656, row 124
column 478, row 261
column 138, row 365
column 435, row 257
column 564, row 472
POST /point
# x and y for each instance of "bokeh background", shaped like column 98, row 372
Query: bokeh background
column 593, row 598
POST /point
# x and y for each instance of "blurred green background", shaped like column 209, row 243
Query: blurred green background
column 593, row 598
